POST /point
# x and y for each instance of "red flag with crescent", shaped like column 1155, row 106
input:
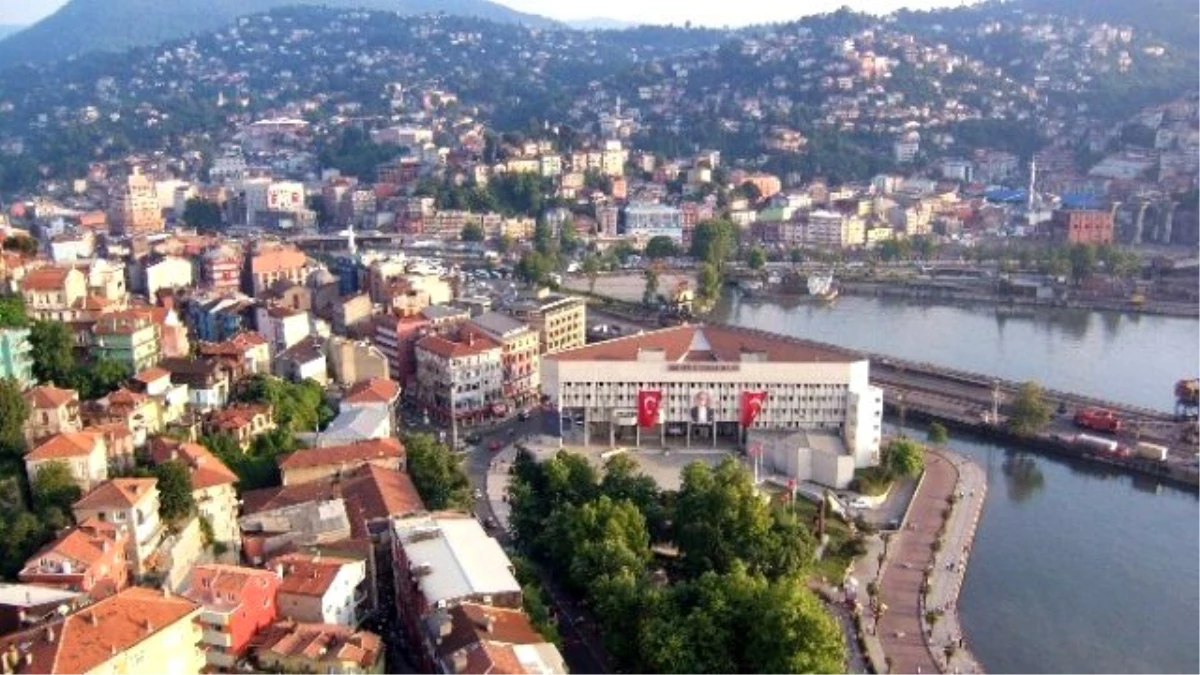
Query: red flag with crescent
column 752, row 405
column 649, row 401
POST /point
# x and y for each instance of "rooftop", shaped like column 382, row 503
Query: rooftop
column 456, row 557
column 117, row 493
column 373, row 390
column 319, row 642
column 716, row 343
column 50, row 396
column 499, row 325
column 90, row 637
column 307, row 574
column 370, row 493
column 364, row 451
column 451, row 349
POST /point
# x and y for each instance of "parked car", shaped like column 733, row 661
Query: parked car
column 474, row 437
column 496, row 445
column 523, row 415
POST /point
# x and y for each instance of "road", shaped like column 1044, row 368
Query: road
column 581, row 644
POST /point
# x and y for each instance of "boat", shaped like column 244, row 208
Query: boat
column 821, row 287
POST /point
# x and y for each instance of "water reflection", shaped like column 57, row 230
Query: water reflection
column 1022, row 476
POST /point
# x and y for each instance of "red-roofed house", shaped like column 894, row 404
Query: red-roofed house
column 138, row 630
column 475, row 638
column 237, row 603
column 243, row 421
column 138, row 412
column 89, row 558
column 304, row 466
column 83, row 453
column 156, row 383
column 321, row 589
column 377, row 393
column 291, row 647
column 132, row 502
column 271, row 265
column 474, row 365
column 53, row 293
column 51, row 411
column 212, row 487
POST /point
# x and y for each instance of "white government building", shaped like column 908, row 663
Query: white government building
column 822, row 418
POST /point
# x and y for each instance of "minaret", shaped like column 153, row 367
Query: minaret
column 618, row 106
column 351, row 244
column 1032, row 182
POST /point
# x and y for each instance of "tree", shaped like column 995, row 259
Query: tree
column 55, row 487
column 650, row 293
column 506, row 243
column 13, row 411
column 714, row 241
column 202, row 214
column 568, row 238
column 660, row 247
column 27, row 246
column 1029, row 411
column 534, row 268
column 297, row 406
column 757, row 258
column 436, row 473
column 53, row 352
column 12, row 312
column 591, row 269
column 938, row 434
column 596, row 539
column 794, row 633
column 623, row 480
column 472, row 232
column 98, row 379
column 903, row 457
column 708, row 282
column 543, row 238
column 175, row 499
column 720, row 519
column 1083, row 261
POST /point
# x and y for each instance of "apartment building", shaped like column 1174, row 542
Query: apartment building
column 560, row 320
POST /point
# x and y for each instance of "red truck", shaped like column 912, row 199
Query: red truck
column 1098, row 420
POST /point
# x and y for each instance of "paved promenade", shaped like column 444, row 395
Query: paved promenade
column 902, row 631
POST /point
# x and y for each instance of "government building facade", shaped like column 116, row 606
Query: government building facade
column 700, row 376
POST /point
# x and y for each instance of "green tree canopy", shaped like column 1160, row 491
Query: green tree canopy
column 175, row 499
column 202, row 214
column 591, row 269
column 720, row 519
column 53, row 352
column 13, row 411
column 650, row 293
column 12, row 312
column 714, row 241
column 437, row 473
column 54, row 487
column 535, row 268
column 708, row 282
column 660, row 247
column 904, row 458
column 938, row 434
column 1029, row 411
column 596, row 539
column 757, row 258
column 472, row 232
column 299, row 406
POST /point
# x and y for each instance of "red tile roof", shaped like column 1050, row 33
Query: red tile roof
column 65, row 446
column 212, row 584
column 50, row 396
column 83, row 544
column 117, row 493
column 319, row 643
column 277, row 260
column 710, row 342
column 205, row 468
column 310, row 575
column 373, row 390
column 45, row 278
column 151, row 375
column 89, row 637
column 363, row 451
column 370, row 493
column 449, row 349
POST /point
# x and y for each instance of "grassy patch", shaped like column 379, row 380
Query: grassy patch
column 872, row 481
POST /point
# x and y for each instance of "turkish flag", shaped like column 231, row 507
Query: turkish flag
column 752, row 405
column 648, row 403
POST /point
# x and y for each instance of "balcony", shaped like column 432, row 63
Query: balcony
column 217, row 638
column 221, row 659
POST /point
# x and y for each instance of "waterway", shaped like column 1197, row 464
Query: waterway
column 1076, row 567
column 1129, row 358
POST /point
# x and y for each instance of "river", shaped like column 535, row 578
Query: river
column 1129, row 358
column 1076, row 567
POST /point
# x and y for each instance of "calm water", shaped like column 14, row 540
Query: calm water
column 1076, row 568
column 1128, row 358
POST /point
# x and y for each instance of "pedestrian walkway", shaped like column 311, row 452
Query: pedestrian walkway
column 909, row 643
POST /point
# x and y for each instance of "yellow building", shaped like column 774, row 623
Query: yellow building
column 561, row 321
column 135, row 631
column 134, row 207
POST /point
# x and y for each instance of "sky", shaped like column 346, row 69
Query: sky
column 700, row 12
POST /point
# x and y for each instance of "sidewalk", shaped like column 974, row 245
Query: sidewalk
column 902, row 629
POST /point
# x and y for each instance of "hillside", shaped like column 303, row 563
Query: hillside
column 83, row 26
column 7, row 29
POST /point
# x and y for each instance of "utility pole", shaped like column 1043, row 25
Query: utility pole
column 903, row 409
